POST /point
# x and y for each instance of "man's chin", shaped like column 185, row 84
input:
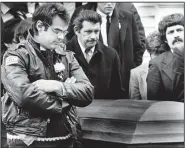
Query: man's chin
column 91, row 45
column 53, row 47
column 108, row 10
column 179, row 44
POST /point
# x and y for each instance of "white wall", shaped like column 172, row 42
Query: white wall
column 152, row 13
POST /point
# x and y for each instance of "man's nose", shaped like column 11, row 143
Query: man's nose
column 61, row 37
column 93, row 35
column 110, row 4
column 176, row 34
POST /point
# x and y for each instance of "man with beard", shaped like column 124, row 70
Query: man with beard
column 165, row 80
column 99, row 62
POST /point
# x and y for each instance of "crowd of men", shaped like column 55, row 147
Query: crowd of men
column 53, row 62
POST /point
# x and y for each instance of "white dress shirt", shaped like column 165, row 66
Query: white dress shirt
column 104, row 26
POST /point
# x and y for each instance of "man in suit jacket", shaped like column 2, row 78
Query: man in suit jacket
column 165, row 80
column 123, row 36
column 138, row 75
column 100, row 63
column 128, row 6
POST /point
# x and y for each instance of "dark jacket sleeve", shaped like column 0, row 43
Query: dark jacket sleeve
column 80, row 93
column 154, row 82
column 139, row 24
column 138, row 48
column 179, row 79
column 71, row 32
column 116, row 90
column 131, row 8
column 15, row 80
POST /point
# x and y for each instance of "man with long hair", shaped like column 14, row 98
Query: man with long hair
column 165, row 80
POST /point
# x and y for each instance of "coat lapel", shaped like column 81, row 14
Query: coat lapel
column 175, row 70
column 124, row 23
column 113, row 39
column 78, row 53
column 167, row 69
column 100, row 38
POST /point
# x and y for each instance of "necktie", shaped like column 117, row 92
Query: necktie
column 108, row 26
column 88, row 55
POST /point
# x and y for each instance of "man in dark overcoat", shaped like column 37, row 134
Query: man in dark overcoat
column 99, row 62
column 122, row 35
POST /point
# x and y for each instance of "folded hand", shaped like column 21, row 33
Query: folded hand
column 47, row 85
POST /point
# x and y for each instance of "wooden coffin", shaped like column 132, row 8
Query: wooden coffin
column 133, row 122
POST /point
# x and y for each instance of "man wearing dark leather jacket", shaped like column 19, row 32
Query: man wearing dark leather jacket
column 43, row 84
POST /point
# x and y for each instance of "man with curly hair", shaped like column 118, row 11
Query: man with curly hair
column 165, row 80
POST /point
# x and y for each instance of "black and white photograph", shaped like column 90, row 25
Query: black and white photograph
column 81, row 74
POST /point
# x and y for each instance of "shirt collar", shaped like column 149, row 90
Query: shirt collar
column 31, row 40
column 103, row 14
column 83, row 48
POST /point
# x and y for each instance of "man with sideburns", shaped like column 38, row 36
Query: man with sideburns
column 99, row 62
column 43, row 84
column 165, row 79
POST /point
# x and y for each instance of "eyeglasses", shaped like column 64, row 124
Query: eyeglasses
column 57, row 31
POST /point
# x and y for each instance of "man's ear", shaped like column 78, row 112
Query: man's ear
column 76, row 30
column 40, row 26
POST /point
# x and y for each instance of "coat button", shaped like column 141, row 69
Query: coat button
column 48, row 120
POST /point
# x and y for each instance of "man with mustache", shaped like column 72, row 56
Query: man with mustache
column 119, row 31
column 99, row 62
column 165, row 80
